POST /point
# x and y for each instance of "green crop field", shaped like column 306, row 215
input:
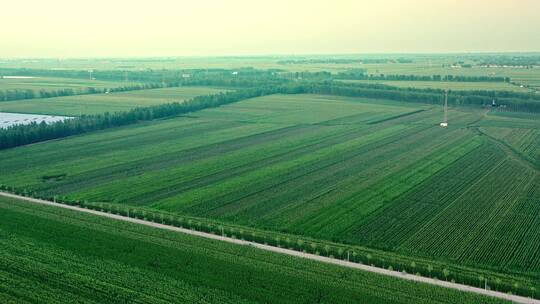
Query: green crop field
column 368, row 172
column 450, row 85
column 100, row 103
column 54, row 83
column 520, row 132
column 60, row 254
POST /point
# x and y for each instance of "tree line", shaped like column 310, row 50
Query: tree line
column 147, row 75
column 345, row 61
column 238, row 80
column 487, row 93
column 456, row 98
column 362, row 75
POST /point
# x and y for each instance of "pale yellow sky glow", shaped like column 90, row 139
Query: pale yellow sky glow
column 72, row 28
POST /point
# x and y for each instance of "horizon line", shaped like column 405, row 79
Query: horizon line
column 274, row 55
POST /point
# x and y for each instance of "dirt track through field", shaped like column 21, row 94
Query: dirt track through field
column 396, row 274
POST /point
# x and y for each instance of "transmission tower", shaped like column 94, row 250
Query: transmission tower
column 444, row 124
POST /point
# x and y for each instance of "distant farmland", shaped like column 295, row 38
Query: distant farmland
column 366, row 172
column 100, row 103
column 55, row 83
column 450, row 85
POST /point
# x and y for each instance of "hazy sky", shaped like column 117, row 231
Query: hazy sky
column 73, row 28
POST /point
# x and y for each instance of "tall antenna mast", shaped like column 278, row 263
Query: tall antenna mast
column 446, row 107
column 444, row 124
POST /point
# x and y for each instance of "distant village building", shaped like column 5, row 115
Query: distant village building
column 186, row 75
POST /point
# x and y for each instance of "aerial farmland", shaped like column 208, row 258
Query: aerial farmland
column 197, row 162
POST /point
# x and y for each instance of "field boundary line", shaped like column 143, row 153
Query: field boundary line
column 290, row 252
column 512, row 152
